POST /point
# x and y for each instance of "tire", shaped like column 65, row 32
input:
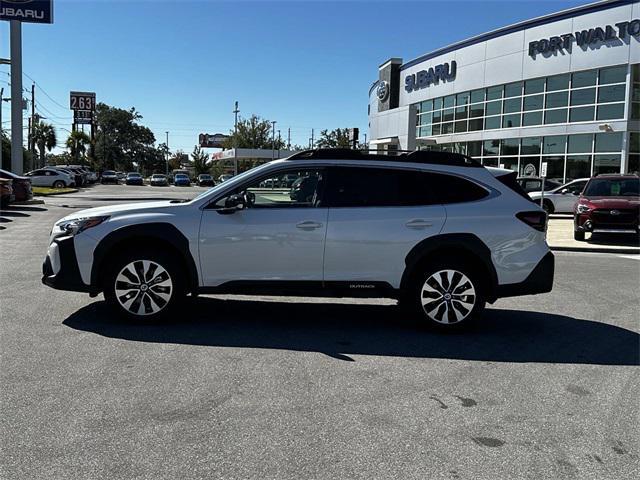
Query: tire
column 58, row 184
column 579, row 236
column 152, row 298
column 547, row 206
column 432, row 295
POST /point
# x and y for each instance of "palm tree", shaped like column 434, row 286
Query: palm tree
column 77, row 144
column 44, row 137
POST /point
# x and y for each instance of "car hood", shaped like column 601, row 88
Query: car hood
column 116, row 210
column 614, row 202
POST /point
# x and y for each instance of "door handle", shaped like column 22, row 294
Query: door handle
column 308, row 225
column 418, row 224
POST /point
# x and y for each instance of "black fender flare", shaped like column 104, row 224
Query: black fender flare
column 164, row 232
column 451, row 242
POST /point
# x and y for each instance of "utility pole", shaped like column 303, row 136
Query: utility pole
column 236, row 111
column 289, row 139
column 273, row 138
column 32, row 126
column 1, row 129
column 312, row 140
column 167, row 154
column 279, row 140
column 17, row 166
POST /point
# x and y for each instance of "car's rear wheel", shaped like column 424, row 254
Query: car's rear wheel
column 447, row 295
column 579, row 236
column 58, row 184
column 145, row 286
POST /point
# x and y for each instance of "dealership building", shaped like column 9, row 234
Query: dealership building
column 562, row 89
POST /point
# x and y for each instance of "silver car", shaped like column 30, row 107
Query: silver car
column 49, row 177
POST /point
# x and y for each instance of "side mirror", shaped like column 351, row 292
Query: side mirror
column 232, row 204
column 564, row 191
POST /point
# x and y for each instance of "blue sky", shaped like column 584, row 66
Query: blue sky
column 182, row 64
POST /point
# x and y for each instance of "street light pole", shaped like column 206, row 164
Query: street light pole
column 1, row 129
column 273, row 138
column 16, row 96
column 167, row 155
column 236, row 110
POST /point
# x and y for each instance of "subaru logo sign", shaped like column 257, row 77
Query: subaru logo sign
column 383, row 91
column 615, row 212
column 33, row 11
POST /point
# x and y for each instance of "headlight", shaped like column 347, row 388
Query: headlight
column 77, row 225
column 583, row 208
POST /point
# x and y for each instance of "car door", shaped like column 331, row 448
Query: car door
column 376, row 216
column 38, row 178
column 566, row 196
column 278, row 236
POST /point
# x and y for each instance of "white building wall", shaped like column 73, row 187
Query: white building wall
column 506, row 59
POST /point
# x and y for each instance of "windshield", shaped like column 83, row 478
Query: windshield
column 133, row 175
column 613, row 187
column 108, row 172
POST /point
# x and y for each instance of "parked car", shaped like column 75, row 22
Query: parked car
column 134, row 178
column 270, row 183
column 109, row 176
column 121, row 176
column 205, row 180
column 49, row 177
column 414, row 229
column 608, row 204
column 21, row 185
column 78, row 179
column 534, row 184
column 181, row 180
column 561, row 199
column 224, row 177
column 6, row 192
column 158, row 180
column 92, row 176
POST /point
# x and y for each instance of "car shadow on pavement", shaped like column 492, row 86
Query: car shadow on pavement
column 342, row 330
column 627, row 239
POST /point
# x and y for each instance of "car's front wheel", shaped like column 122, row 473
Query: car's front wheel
column 145, row 286
column 447, row 295
column 579, row 236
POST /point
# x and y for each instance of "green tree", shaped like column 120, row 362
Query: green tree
column 253, row 132
column 45, row 139
column 199, row 160
column 338, row 138
column 121, row 141
column 77, row 143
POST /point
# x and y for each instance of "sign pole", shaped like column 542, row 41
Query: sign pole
column 16, row 97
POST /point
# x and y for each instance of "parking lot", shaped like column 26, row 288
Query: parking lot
column 280, row 387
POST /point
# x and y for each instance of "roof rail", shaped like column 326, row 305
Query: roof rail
column 433, row 157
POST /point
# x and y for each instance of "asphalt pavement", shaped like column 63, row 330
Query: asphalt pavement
column 546, row 387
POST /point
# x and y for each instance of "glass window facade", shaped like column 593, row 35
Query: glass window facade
column 568, row 156
column 597, row 95
column 587, row 96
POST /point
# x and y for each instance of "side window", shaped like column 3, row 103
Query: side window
column 287, row 189
column 377, row 187
column 380, row 187
column 577, row 187
column 453, row 189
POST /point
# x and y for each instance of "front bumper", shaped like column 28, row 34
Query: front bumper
column 540, row 280
column 602, row 221
column 60, row 268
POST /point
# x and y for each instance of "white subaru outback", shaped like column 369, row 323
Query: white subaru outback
column 436, row 230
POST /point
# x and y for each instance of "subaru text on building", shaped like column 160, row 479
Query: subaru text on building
column 437, row 231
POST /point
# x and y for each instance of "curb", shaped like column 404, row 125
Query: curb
column 53, row 194
column 623, row 251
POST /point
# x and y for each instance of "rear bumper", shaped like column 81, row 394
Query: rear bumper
column 540, row 280
column 60, row 268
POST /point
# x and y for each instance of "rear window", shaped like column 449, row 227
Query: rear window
column 108, row 172
column 510, row 180
column 612, row 187
column 380, row 187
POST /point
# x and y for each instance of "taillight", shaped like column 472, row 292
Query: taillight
column 536, row 220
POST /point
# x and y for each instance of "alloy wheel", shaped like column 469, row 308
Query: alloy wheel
column 448, row 296
column 143, row 287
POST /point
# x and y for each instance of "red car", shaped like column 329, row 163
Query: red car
column 608, row 204
column 21, row 186
column 6, row 192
